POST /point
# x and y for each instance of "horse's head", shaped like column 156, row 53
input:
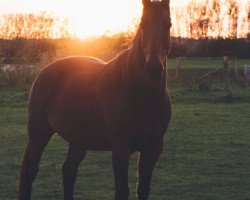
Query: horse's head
column 155, row 36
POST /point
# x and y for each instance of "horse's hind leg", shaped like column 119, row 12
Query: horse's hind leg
column 39, row 136
column 76, row 154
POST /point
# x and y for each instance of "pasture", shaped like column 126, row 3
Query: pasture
column 206, row 152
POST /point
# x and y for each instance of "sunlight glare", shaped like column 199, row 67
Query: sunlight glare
column 98, row 17
column 95, row 17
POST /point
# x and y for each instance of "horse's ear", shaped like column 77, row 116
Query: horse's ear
column 146, row 3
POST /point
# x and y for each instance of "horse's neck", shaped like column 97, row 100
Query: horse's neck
column 142, row 87
column 136, row 62
column 136, row 55
column 128, row 67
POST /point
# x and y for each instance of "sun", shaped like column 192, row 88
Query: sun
column 95, row 17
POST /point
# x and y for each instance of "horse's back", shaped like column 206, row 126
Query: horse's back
column 64, row 96
column 61, row 75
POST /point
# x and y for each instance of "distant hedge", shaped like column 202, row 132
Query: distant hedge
column 105, row 47
column 239, row 48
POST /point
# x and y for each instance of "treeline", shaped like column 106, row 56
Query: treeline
column 106, row 47
column 219, row 47
column 33, row 26
column 47, row 50
column 212, row 19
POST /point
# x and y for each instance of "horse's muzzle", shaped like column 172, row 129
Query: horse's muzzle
column 154, row 70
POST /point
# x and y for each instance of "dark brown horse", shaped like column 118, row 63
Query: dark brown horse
column 122, row 106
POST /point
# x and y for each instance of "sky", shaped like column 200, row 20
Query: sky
column 86, row 17
column 10, row 6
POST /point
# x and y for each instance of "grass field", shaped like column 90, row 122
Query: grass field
column 206, row 63
column 206, row 154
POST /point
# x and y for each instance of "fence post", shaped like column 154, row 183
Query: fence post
column 246, row 72
column 44, row 60
column 236, row 67
column 226, row 76
column 177, row 66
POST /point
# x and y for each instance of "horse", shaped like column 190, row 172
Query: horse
column 121, row 106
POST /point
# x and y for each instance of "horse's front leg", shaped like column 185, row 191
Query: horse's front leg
column 120, row 159
column 146, row 162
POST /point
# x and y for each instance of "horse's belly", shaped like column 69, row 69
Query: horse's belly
column 79, row 120
column 90, row 134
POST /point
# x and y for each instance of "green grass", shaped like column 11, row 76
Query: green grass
column 206, row 153
column 205, row 64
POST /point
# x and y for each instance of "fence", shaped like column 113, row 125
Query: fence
column 16, row 73
column 225, row 62
column 247, row 72
column 223, row 70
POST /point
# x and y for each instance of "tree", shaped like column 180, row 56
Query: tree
column 33, row 26
column 248, row 19
column 233, row 12
column 212, row 19
column 216, row 25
